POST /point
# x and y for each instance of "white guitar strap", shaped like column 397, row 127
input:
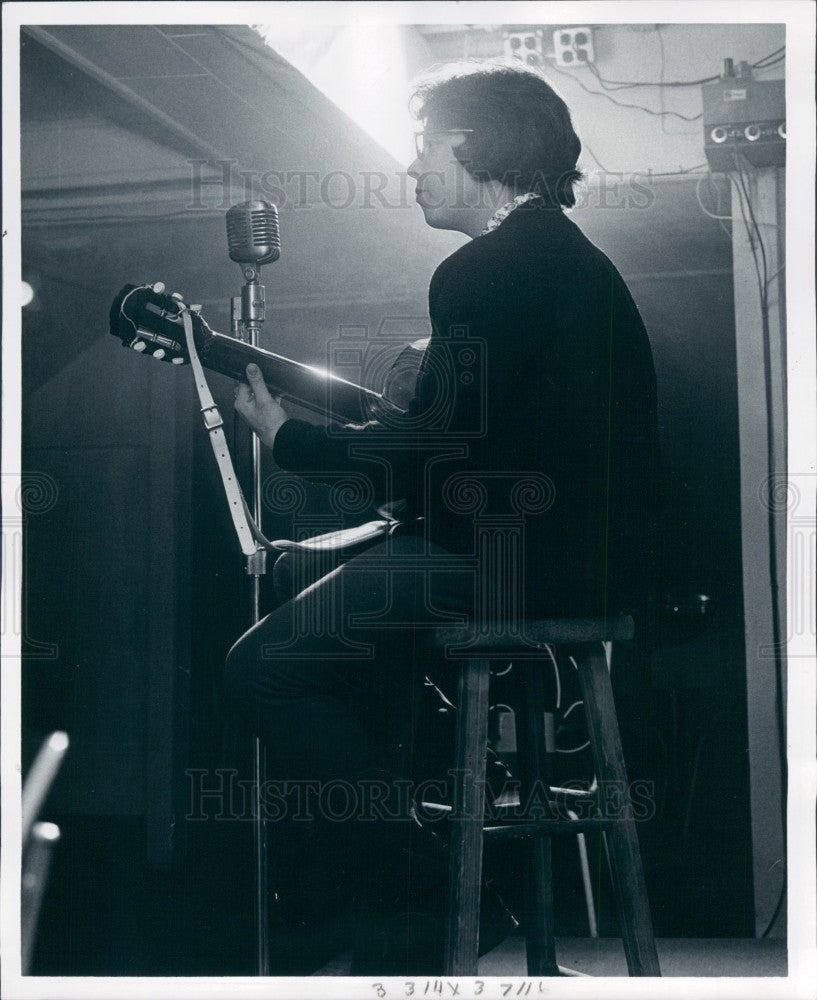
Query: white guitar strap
column 250, row 537
column 214, row 425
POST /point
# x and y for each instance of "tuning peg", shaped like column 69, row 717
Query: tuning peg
column 195, row 308
column 159, row 287
column 140, row 345
column 177, row 295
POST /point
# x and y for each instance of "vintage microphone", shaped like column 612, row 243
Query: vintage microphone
column 252, row 233
column 253, row 240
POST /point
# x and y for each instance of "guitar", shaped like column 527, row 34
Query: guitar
column 148, row 321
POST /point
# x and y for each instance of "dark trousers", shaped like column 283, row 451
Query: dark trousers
column 329, row 679
column 332, row 681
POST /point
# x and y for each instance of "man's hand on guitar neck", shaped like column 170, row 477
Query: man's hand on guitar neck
column 260, row 410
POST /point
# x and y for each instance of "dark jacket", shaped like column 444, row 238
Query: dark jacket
column 531, row 443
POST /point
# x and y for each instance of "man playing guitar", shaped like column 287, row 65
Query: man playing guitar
column 535, row 403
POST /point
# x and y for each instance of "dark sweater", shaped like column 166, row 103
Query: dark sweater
column 534, row 419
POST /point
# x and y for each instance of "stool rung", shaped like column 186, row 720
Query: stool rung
column 511, row 830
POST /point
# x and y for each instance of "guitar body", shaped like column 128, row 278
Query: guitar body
column 149, row 322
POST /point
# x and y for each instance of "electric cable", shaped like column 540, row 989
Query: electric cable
column 721, row 219
column 683, row 171
column 582, row 746
column 763, row 286
column 771, row 59
column 704, row 209
column 662, row 71
column 124, row 218
column 621, row 104
column 776, row 913
column 648, row 173
column 756, row 244
column 631, row 84
column 771, row 277
column 761, row 63
column 754, row 235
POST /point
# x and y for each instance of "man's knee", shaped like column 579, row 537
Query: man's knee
column 257, row 672
column 238, row 679
column 283, row 571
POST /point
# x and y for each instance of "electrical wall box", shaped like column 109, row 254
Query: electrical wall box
column 743, row 117
column 524, row 46
column 573, row 46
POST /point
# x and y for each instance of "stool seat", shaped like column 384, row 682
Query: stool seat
column 527, row 644
column 532, row 634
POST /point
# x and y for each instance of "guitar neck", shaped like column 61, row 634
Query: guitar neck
column 315, row 388
column 149, row 322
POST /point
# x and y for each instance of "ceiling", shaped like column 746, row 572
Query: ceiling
column 118, row 121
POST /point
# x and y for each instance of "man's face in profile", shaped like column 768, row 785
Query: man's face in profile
column 445, row 190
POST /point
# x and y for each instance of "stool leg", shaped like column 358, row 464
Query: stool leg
column 627, row 871
column 534, row 777
column 465, row 863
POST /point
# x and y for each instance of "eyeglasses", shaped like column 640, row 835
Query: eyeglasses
column 421, row 138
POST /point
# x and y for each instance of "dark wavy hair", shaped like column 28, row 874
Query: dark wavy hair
column 522, row 132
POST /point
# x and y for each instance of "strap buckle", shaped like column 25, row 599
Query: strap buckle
column 212, row 418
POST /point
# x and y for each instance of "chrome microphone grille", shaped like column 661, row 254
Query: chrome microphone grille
column 252, row 233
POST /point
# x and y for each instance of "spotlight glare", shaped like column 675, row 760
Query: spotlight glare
column 26, row 294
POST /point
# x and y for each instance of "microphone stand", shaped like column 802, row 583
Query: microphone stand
column 247, row 313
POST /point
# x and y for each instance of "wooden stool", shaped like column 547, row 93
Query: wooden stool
column 476, row 648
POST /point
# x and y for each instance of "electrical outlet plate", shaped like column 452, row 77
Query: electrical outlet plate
column 573, row 46
column 524, row 46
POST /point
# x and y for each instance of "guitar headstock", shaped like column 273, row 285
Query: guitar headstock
column 148, row 320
